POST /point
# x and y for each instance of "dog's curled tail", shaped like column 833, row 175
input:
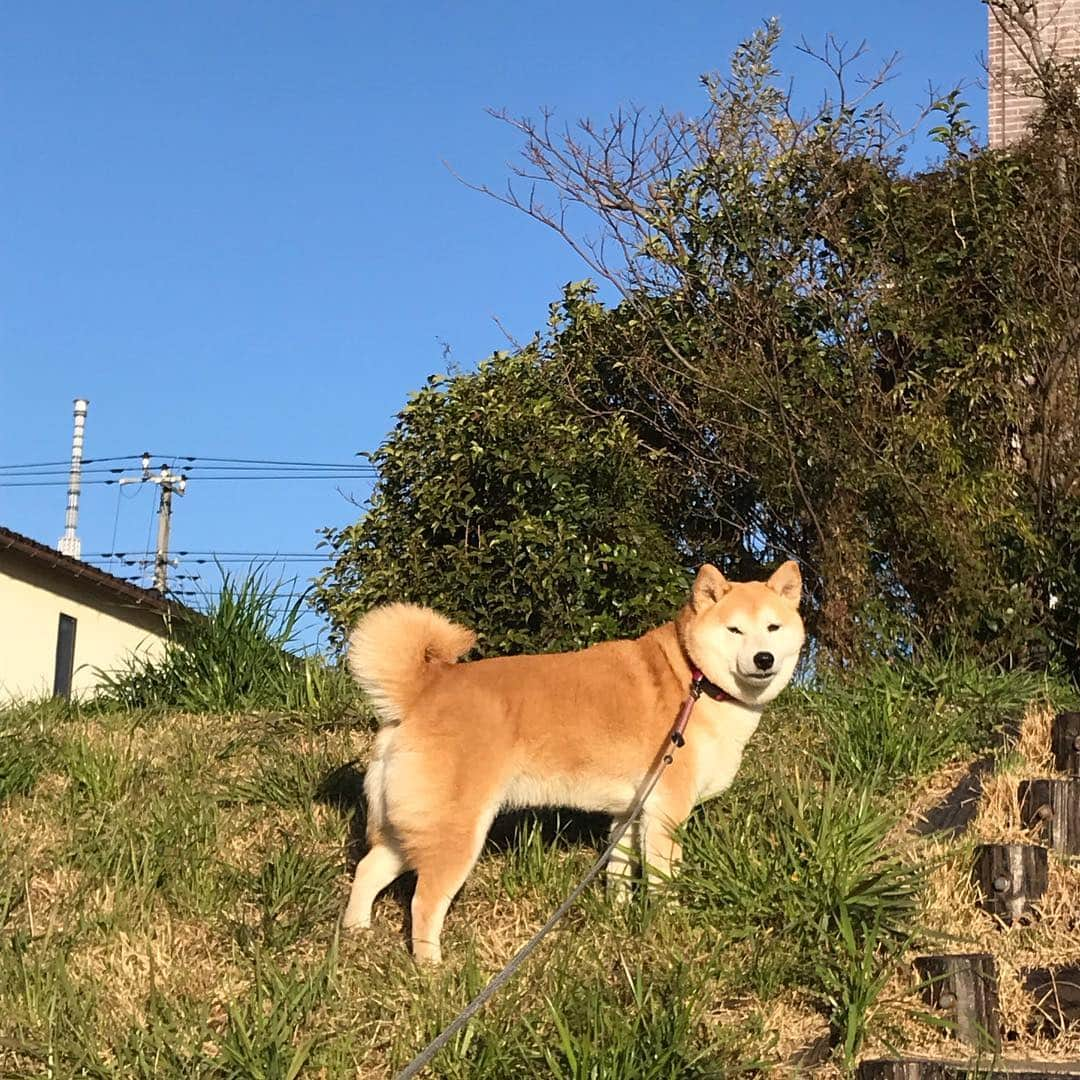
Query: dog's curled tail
column 391, row 649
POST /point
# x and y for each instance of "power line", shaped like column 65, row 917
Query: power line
column 283, row 554
column 291, row 569
column 67, row 463
column 120, row 497
column 207, row 467
column 235, row 476
column 46, row 483
column 284, row 476
column 263, row 461
column 327, row 470
column 301, row 559
column 315, row 564
column 100, row 471
column 246, row 554
column 275, row 466
column 16, row 471
column 186, row 457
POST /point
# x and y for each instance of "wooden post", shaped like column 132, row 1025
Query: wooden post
column 885, row 1069
column 1011, row 878
column 925, row 1069
column 1053, row 806
column 964, row 987
column 1065, row 739
column 1056, row 991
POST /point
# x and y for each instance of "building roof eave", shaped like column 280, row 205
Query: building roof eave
column 76, row 569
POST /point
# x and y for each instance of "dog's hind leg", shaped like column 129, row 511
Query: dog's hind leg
column 384, row 861
column 382, row 865
column 442, row 866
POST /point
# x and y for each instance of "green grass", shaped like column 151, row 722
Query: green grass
column 25, row 743
column 799, row 874
column 98, row 775
column 263, row 1036
column 292, row 895
column 170, row 882
column 644, row 1020
column 544, row 856
column 284, row 777
column 902, row 721
column 20, row 764
column 236, row 655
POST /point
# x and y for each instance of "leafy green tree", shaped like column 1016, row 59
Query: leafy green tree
column 818, row 353
column 874, row 370
column 503, row 504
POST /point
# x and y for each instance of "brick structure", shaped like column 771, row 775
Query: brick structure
column 1057, row 23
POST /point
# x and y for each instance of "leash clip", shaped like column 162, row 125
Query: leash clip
column 697, row 683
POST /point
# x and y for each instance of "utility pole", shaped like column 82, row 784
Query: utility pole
column 170, row 485
column 164, row 521
column 69, row 544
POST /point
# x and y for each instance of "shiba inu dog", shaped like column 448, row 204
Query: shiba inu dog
column 459, row 742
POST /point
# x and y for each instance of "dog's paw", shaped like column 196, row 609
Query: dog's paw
column 426, row 954
column 355, row 920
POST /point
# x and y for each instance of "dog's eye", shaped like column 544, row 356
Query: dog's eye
column 773, row 626
column 734, row 629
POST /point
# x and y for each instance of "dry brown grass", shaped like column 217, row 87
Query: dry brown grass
column 120, row 940
column 953, row 915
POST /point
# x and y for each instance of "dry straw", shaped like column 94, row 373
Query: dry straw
column 959, row 925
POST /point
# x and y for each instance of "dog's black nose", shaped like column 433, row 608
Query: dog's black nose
column 763, row 660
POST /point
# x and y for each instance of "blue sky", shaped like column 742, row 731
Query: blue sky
column 230, row 224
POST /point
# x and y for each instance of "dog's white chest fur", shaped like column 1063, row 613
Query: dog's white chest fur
column 718, row 733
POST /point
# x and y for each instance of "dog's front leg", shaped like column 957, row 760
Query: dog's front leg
column 662, row 852
column 661, row 819
column 623, row 862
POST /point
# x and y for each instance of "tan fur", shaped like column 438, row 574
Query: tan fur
column 577, row 729
column 390, row 648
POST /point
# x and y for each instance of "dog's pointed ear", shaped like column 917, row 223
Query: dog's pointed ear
column 787, row 581
column 709, row 586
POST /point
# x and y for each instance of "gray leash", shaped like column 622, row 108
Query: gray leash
column 503, row 977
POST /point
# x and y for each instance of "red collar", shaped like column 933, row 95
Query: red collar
column 700, row 685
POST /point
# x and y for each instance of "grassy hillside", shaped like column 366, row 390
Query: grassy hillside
column 170, row 883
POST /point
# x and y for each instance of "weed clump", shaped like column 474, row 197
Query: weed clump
column 236, row 655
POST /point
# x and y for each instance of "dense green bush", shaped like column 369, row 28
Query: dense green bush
column 866, row 367
column 820, row 351
column 502, row 503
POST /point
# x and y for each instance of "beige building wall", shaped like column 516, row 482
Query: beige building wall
column 32, row 598
column 1058, row 29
